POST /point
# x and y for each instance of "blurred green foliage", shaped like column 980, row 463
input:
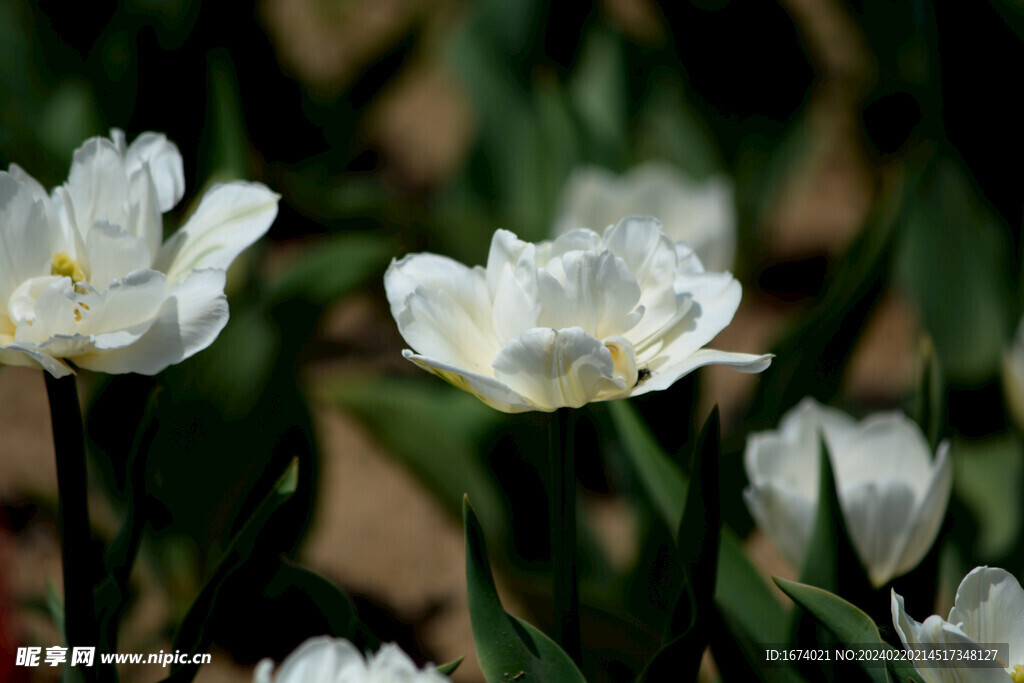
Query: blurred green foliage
column 715, row 87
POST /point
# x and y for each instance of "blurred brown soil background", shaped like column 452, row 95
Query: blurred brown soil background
column 377, row 532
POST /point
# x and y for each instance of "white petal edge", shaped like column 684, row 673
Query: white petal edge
column 930, row 512
column 487, row 389
column 28, row 357
column 188, row 321
column 666, row 377
column 165, row 165
column 229, row 218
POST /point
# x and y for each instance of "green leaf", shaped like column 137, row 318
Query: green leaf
column 848, row 624
column 697, row 541
column 508, row 648
column 661, row 478
column 441, row 429
column 831, row 562
column 112, row 593
column 988, row 476
column 741, row 594
column 226, row 141
column 193, row 634
column 930, row 400
column 291, row 580
column 449, row 668
column 953, row 261
column 330, row 268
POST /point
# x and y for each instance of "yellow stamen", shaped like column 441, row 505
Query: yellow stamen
column 66, row 266
column 78, row 315
column 1018, row 673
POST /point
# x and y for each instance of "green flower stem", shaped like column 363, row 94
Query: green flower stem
column 562, row 498
column 81, row 628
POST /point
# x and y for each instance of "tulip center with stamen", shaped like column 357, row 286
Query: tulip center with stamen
column 623, row 360
column 66, row 266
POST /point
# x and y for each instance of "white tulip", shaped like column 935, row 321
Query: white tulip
column 335, row 660
column 553, row 324
column 988, row 609
column 700, row 213
column 85, row 276
column 893, row 495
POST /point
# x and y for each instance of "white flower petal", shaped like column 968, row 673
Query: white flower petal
column 786, row 515
column 936, row 631
column 487, row 389
column 322, row 659
column 989, row 606
column 24, row 235
column 555, row 368
column 125, row 311
column 664, row 377
column 98, row 185
column 188, row 321
column 433, row 322
column 594, row 291
column 930, row 513
column 229, row 218
column 165, row 164
column 778, row 457
column 887, row 445
column 715, row 298
column 29, row 357
column 113, row 253
column 144, row 214
column 877, row 515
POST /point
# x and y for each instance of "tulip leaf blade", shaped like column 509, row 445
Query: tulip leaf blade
column 292, row 581
column 697, row 541
column 664, row 483
column 450, row 668
column 849, row 625
column 508, row 648
column 194, row 633
column 741, row 595
column 832, row 562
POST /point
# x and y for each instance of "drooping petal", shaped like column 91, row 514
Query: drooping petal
column 877, row 515
column 558, row 368
column 489, row 390
column 786, row 515
column 190, row 318
column 989, row 606
column 29, row 357
column 230, row 217
column 114, row 253
column 165, row 164
column 930, row 512
column 98, row 185
column 664, row 377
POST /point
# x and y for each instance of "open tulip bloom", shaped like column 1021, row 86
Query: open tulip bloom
column 86, row 277
column 892, row 493
column 335, row 660
column 560, row 324
column 988, row 609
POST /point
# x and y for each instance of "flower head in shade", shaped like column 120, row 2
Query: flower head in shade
column 86, row 277
column 698, row 212
column 554, row 324
column 988, row 609
column 892, row 493
column 335, row 660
